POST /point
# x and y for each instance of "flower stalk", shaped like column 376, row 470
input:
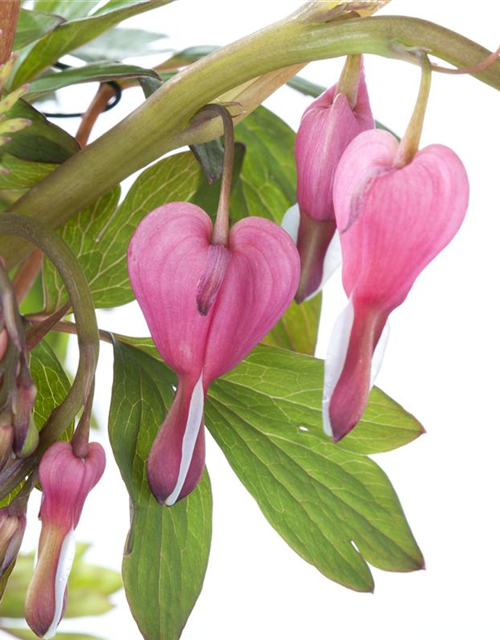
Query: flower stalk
column 152, row 129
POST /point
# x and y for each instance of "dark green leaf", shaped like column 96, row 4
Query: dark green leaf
column 97, row 72
column 22, row 173
column 167, row 549
column 32, row 25
column 121, row 43
column 336, row 509
column 42, row 141
column 306, row 87
column 72, row 35
column 89, row 587
column 99, row 236
column 51, row 382
column 210, row 156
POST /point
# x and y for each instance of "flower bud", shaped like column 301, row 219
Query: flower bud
column 327, row 127
column 66, row 481
column 12, row 528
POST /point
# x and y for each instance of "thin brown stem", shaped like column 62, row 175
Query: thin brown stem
column 26, row 274
column 65, row 326
column 9, row 13
column 476, row 68
column 98, row 105
column 38, row 332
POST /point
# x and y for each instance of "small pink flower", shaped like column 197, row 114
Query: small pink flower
column 66, row 481
column 206, row 306
column 328, row 125
column 12, row 527
column 393, row 222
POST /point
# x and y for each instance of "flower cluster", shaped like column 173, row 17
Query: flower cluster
column 209, row 296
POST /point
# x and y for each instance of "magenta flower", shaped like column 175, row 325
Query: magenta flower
column 393, row 221
column 328, row 125
column 66, row 482
column 207, row 306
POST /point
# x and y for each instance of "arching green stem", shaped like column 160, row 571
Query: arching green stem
column 88, row 338
column 158, row 125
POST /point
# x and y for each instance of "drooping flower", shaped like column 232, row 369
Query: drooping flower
column 328, row 125
column 207, row 305
column 393, row 220
column 66, row 481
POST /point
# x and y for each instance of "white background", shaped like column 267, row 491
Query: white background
column 441, row 364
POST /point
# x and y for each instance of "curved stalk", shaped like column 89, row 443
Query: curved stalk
column 88, row 338
column 156, row 127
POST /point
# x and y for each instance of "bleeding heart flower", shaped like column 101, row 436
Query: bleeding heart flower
column 393, row 221
column 66, row 482
column 327, row 127
column 206, row 305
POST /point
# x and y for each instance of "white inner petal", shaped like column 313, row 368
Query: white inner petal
column 335, row 359
column 378, row 354
column 333, row 260
column 290, row 222
column 62, row 574
column 195, row 415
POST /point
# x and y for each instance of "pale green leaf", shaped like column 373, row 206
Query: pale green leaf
column 32, row 25
column 69, row 9
column 118, row 43
column 23, row 174
column 73, row 34
column 167, row 548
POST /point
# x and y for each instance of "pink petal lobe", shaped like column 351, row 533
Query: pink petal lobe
column 405, row 218
column 211, row 281
column 352, row 389
column 177, row 458
column 167, row 257
column 260, row 283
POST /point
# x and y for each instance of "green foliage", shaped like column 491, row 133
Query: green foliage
column 167, row 549
column 32, row 25
column 89, row 587
column 51, row 382
column 97, row 72
column 42, row 141
column 118, row 43
column 22, row 174
column 266, row 417
column 99, row 236
column 73, row 34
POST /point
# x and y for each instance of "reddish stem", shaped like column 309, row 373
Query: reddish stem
column 9, row 13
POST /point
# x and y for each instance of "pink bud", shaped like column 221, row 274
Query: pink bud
column 393, row 222
column 172, row 267
column 328, row 125
column 66, row 482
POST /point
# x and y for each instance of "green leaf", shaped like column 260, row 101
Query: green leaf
column 297, row 329
column 72, row 35
column 69, row 9
column 89, row 587
column 266, row 416
column 42, row 141
column 167, row 548
column 121, row 43
column 22, row 173
column 32, row 25
column 306, row 87
column 187, row 56
column 335, row 508
column 26, row 634
column 210, row 155
column 97, row 72
column 51, row 382
column 99, row 236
